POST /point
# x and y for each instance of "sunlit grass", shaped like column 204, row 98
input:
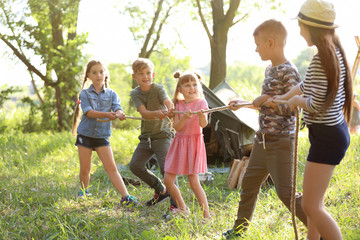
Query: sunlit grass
column 39, row 183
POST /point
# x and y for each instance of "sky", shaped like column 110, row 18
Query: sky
column 111, row 40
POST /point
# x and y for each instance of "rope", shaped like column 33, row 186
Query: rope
column 216, row 109
column 183, row 112
column 295, row 165
column 127, row 117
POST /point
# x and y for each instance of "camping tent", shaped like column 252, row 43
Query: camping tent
column 229, row 134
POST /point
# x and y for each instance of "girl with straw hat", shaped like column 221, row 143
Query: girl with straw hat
column 326, row 96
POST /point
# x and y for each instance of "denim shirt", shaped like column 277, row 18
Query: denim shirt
column 104, row 101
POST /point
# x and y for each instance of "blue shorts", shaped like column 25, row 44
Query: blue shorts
column 90, row 142
column 328, row 143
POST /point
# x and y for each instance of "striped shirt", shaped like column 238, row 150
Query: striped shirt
column 314, row 88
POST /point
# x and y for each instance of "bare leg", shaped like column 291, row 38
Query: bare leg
column 316, row 180
column 169, row 180
column 107, row 158
column 85, row 165
column 199, row 193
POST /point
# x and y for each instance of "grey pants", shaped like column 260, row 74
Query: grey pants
column 142, row 155
column 276, row 159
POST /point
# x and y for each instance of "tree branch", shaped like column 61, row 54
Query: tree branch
column 241, row 19
column 22, row 52
column 159, row 31
column 230, row 15
column 151, row 29
column 26, row 62
column 204, row 22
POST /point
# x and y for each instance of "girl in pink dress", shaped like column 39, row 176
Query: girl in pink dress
column 187, row 154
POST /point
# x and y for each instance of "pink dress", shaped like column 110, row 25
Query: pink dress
column 187, row 154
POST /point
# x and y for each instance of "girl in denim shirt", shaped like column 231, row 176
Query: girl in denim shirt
column 98, row 101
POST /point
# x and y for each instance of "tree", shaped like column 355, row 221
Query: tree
column 222, row 21
column 148, row 25
column 42, row 35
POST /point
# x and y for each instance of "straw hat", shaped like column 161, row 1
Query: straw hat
column 318, row 13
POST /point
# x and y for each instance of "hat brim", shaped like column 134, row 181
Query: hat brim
column 309, row 23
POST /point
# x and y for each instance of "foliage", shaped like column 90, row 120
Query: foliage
column 303, row 60
column 225, row 14
column 39, row 182
column 246, row 79
column 42, row 35
column 5, row 91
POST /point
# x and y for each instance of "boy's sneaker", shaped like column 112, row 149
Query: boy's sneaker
column 128, row 201
column 83, row 193
column 158, row 197
column 230, row 234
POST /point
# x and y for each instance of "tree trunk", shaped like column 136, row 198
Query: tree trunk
column 218, row 57
column 58, row 107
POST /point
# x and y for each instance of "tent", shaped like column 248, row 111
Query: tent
column 229, row 134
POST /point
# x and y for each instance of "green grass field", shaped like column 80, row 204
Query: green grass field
column 39, row 183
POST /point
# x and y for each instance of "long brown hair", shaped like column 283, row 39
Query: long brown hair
column 89, row 65
column 327, row 41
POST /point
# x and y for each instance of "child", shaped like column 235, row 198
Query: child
column 326, row 96
column 274, row 142
column 355, row 116
column 97, row 101
column 152, row 102
column 187, row 154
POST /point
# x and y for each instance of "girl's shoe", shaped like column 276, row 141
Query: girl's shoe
column 128, row 201
column 206, row 220
column 83, row 193
column 174, row 211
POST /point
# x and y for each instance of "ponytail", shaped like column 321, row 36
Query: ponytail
column 76, row 118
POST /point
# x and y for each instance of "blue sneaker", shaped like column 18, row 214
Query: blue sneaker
column 83, row 193
column 128, row 201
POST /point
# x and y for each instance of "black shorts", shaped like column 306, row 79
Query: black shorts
column 90, row 142
column 328, row 143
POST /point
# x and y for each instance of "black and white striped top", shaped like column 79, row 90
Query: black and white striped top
column 314, row 88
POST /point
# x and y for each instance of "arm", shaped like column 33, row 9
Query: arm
column 151, row 114
column 260, row 100
column 97, row 114
column 293, row 92
column 233, row 104
column 202, row 119
column 180, row 122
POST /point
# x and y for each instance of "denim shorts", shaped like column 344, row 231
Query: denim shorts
column 328, row 143
column 90, row 142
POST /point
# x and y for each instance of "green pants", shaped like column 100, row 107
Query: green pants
column 275, row 159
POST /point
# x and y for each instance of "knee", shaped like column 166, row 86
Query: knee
column 85, row 170
column 308, row 208
column 133, row 167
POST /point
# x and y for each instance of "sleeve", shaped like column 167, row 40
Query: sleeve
column 204, row 105
column 85, row 102
column 115, row 105
column 135, row 98
column 317, row 81
column 162, row 93
column 290, row 80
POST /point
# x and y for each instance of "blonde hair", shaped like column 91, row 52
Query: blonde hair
column 184, row 78
column 272, row 29
column 89, row 65
column 141, row 63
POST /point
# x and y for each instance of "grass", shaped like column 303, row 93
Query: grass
column 39, row 182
